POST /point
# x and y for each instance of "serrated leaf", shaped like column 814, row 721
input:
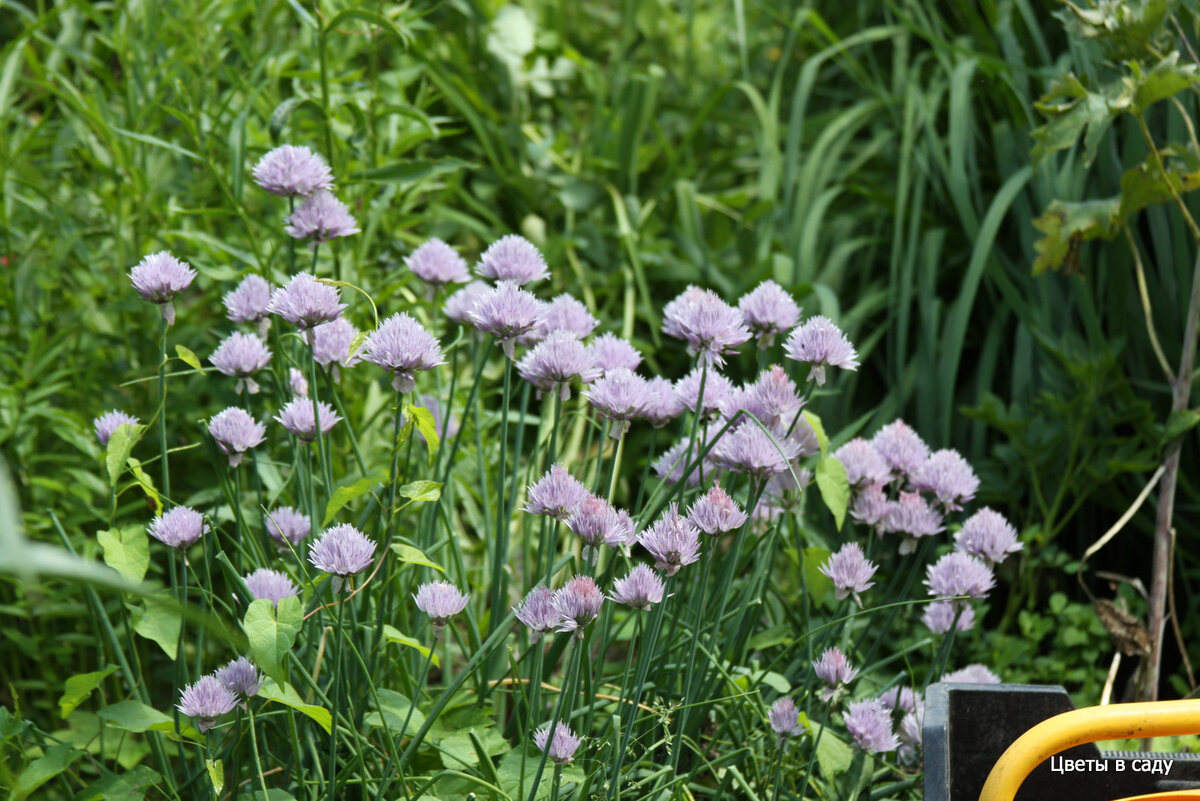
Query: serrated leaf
column 422, row 491
column 216, row 775
column 127, row 551
column 188, row 357
column 344, row 494
column 286, row 694
column 426, row 425
column 1165, row 79
column 393, row 634
column 158, row 619
column 120, row 445
column 1074, row 112
column 77, row 689
column 272, row 631
column 414, row 556
column 134, row 716
column 835, row 488
column 819, row 585
column 1065, row 225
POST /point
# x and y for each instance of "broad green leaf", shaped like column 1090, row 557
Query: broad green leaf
column 77, row 688
column 510, row 771
column 10, row 725
column 286, row 694
column 1065, row 225
column 833, row 755
column 1166, row 78
column 274, row 794
column 1074, row 111
column 344, row 494
column 458, row 749
column 132, row 785
column 272, row 632
column 422, row 491
column 127, row 551
column 393, row 711
column 216, row 774
column 188, row 357
column 819, row 430
column 835, row 488
column 393, row 634
column 819, row 585
column 426, row 425
column 120, row 445
column 1124, row 30
column 414, row 556
column 41, row 770
column 135, row 716
column 146, row 483
column 158, row 619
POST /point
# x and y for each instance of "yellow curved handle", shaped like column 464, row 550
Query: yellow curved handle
column 1114, row 722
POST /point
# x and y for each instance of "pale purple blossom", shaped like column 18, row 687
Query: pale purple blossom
column 870, row 506
column 458, row 306
column 306, row 302
column 949, row 477
column 640, row 589
column 403, row 347
column 270, row 585
column 662, row 405
column 236, row 432
column 438, row 264
column 864, row 465
column 248, row 302
column 675, row 308
column 333, row 343
column 562, row 746
column 595, row 521
column 342, row 551
column 512, row 258
column 556, row 494
column 835, row 670
column 972, row 674
column 772, row 399
column 555, row 362
column 751, row 450
column 939, row 616
column 159, row 278
column 286, row 525
column 709, row 325
column 672, row 541
column 904, row 697
column 784, row 717
column 506, row 311
column 870, row 724
column 240, row 676
column 205, row 701
column 911, row 739
column 567, row 313
column 959, row 573
column 717, row 391
column 989, row 536
column 292, row 171
column 901, row 447
column 618, row 396
column 609, row 352
column 670, row 466
column 298, row 418
column 913, row 516
column 106, row 424
column 178, row 527
column 320, row 218
column 297, row 383
column 441, row 600
column 820, row 343
column 241, row 356
column 715, row 512
column 850, row 571
column 537, row 611
column 578, row 603
column 768, row 311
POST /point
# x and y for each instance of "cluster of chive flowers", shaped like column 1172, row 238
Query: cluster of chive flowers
column 216, row 694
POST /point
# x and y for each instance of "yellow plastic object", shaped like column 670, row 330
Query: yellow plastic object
column 1170, row 795
column 1113, row 722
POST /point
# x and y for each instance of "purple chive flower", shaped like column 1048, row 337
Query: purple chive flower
column 972, row 674
column 609, row 352
column 106, row 424
column 863, row 463
column 555, row 362
column 750, row 450
column 670, row 465
column 178, row 527
column 537, row 611
column 562, row 746
column 332, row 343
column 241, row 356
column 773, row 398
column 270, row 585
column 286, row 525
column 820, row 343
column 241, row 677
column 298, row 383
column 662, row 404
column 205, row 701
column 506, row 312
column 717, row 391
column 298, row 418
column 784, row 718
column 910, row 739
column 158, row 278
column 556, row 494
column 567, row 313
column 989, row 536
column 441, row 600
column 536, row 334
column 716, row 513
column 292, row 171
column 904, row 697
column 672, row 541
column 870, row 506
column 236, row 432
column 835, row 670
column 438, row 264
column 402, row 347
column 768, row 311
column 912, row 515
column 305, row 302
column 959, row 573
column 578, row 603
column 900, row 447
column 707, row 323
column 512, row 258
column 939, row 617
column 618, row 396
column 870, row 724
column 321, row 217
column 640, row 589
column 342, row 551
column 949, row 477
column 850, row 571
column 595, row 522
column 625, row 534
column 248, row 302
column 458, row 305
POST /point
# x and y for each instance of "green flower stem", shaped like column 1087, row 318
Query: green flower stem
column 262, row 782
column 812, row 756
column 562, row 710
column 499, row 577
column 549, row 533
column 778, row 768
column 322, row 446
column 688, row 678
column 162, row 413
column 335, row 679
column 341, row 410
column 615, row 468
